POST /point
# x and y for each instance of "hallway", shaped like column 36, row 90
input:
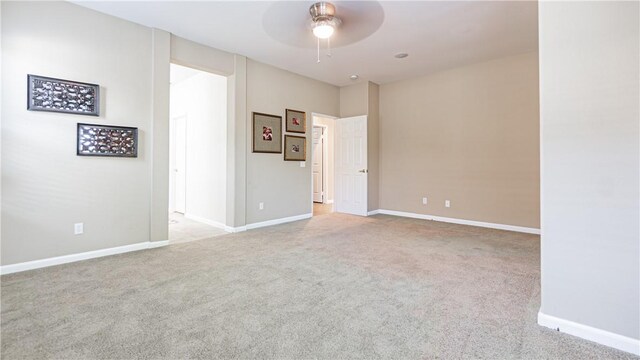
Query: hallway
column 183, row 230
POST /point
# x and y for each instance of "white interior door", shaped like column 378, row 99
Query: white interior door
column 318, row 163
column 351, row 165
column 180, row 191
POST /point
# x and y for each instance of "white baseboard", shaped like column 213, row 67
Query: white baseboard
column 373, row 212
column 59, row 260
column 157, row 244
column 278, row 221
column 231, row 229
column 458, row 221
column 267, row 223
column 590, row 333
column 329, row 202
column 215, row 224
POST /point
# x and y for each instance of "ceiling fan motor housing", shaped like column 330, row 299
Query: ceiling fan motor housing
column 322, row 11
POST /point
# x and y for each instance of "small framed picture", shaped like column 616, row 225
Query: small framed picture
column 296, row 121
column 295, row 148
column 64, row 96
column 267, row 133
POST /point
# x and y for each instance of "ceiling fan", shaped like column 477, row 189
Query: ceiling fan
column 324, row 23
column 339, row 22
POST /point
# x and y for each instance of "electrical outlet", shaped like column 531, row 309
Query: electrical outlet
column 78, row 228
column 261, row 206
column 424, row 201
column 447, row 203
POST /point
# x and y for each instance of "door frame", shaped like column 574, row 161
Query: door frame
column 325, row 130
column 325, row 153
column 172, row 156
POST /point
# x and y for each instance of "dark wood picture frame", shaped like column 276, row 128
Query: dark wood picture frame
column 301, row 154
column 259, row 123
column 301, row 117
column 62, row 96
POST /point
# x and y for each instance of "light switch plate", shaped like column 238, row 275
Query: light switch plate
column 303, row 163
column 78, row 228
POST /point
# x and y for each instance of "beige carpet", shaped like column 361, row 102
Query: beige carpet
column 333, row 287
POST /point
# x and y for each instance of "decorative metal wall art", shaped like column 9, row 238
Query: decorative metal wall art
column 101, row 140
column 57, row 95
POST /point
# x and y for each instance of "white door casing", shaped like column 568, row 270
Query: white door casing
column 180, row 191
column 351, row 165
column 317, row 149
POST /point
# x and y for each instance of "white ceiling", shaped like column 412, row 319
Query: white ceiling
column 437, row 35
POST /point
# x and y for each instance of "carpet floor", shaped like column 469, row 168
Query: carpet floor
column 332, row 287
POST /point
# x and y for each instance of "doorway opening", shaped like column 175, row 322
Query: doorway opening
column 322, row 167
column 197, row 154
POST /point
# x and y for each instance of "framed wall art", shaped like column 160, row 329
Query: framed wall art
column 295, row 148
column 103, row 140
column 267, row 133
column 296, row 121
column 57, row 95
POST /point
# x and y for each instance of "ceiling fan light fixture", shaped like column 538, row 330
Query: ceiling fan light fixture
column 324, row 20
column 323, row 29
column 324, row 23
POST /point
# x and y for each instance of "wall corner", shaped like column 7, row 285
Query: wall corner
column 159, row 197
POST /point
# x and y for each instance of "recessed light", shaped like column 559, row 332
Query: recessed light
column 354, row 77
column 401, row 55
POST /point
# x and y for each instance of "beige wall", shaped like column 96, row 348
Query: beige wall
column 46, row 188
column 373, row 146
column 159, row 133
column 283, row 186
column 589, row 76
column 236, row 143
column 1, row 90
column 188, row 53
column 354, row 100
column 469, row 135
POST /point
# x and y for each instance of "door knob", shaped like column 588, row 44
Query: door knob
column 363, row 171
